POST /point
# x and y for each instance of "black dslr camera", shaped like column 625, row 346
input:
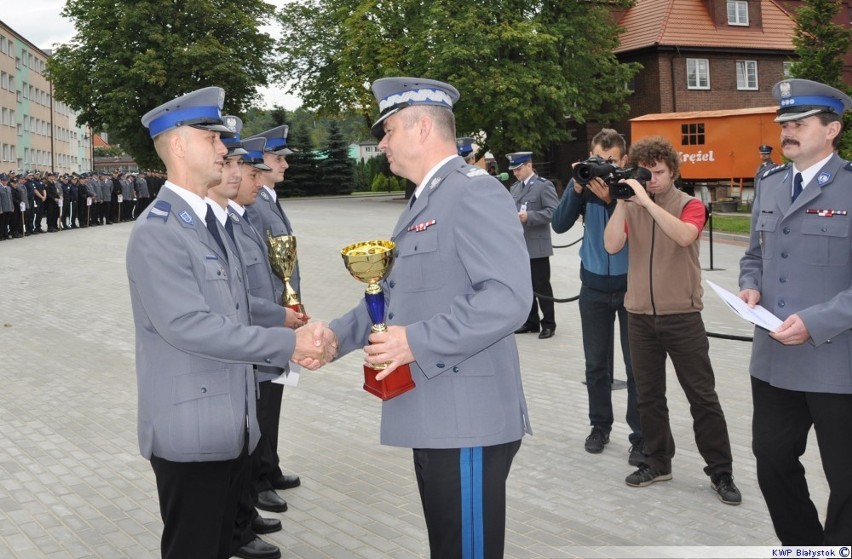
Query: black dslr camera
column 594, row 166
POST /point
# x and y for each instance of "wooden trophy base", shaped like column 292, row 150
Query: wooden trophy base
column 392, row 385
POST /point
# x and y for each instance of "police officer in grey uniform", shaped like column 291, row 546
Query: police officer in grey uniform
column 458, row 288
column 799, row 266
column 268, row 217
column 6, row 209
column 766, row 162
column 535, row 199
column 194, row 342
column 143, row 195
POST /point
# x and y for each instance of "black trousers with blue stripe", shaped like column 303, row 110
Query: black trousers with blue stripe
column 463, row 492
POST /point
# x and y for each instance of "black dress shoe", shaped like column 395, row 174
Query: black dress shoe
column 545, row 333
column 258, row 549
column 262, row 525
column 270, row 501
column 286, row 481
column 526, row 329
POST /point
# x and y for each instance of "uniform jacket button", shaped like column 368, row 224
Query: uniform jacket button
column 455, row 369
column 782, row 304
column 204, row 390
column 439, row 365
column 267, row 360
column 392, row 284
column 390, row 316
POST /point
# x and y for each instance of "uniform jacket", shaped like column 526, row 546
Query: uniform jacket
column 141, row 186
column 539, row 195
column 258, row 275
column 267, row 216
column 194, row 347
column 762, row 168
column 461, row 285
column 6, row 198
column 800, row 259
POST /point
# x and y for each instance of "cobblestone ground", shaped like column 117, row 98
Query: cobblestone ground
column 72, row 484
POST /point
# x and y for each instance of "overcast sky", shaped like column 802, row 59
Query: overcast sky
column 40, row 22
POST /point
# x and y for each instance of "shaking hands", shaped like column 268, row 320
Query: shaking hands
column 316, row 345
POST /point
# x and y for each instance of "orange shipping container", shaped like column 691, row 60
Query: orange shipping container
column 715, row 145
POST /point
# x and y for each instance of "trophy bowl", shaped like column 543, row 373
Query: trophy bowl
column 370, row 262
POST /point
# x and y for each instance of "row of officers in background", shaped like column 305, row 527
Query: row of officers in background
column 33, row 202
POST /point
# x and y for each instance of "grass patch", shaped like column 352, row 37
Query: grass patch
column 731, row 223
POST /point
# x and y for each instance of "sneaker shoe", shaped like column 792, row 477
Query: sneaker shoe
column 596, row 440
column 646, row 475
column 635, row 455
column 723, row 485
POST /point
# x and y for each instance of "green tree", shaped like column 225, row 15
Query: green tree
column 522, row 67
column 380, row 183
column 128, row 56
column 338, row 174
column 302, row 177
column 821, row 45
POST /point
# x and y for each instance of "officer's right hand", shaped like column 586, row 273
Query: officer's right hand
column 751, row 297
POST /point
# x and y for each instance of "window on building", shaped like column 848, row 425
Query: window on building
column 787, row 69
column 737, row 12
column 747, row 74
column 25, row 89
column 697, row 73
column 692, row 134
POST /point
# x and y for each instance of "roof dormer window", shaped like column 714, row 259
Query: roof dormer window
column 738, row 12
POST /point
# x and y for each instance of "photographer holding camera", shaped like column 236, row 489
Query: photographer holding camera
column 663, row 303
column 604, row 282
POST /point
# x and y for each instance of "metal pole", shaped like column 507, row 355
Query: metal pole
column 710, row 219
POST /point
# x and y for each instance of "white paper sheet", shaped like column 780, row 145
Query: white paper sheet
column 758, row 316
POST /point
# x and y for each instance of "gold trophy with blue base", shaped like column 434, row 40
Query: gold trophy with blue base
column 370, row 262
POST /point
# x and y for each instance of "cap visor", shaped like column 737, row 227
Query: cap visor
column 787, row 117
column 378, row 128
column 221, row 128
column 282, row 151
column 261, row 166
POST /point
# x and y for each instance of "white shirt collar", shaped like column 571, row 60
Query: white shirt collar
column 431, row 173
column 196, row 202
column 809, row 173
column 237, row 208
column 220, row 212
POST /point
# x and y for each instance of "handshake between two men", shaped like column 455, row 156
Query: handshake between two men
column 317, row 344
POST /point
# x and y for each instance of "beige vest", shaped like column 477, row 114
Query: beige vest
column 663, row 277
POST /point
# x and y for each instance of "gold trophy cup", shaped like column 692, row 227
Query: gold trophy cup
column 282, row 258
column 370, row 262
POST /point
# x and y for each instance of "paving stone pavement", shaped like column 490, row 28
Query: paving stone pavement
column 72, row 483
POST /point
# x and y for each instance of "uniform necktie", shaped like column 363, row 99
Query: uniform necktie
column 797, row 186
column 413, row 199
column 213, row 227
column 229, row 227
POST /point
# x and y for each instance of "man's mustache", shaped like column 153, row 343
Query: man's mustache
column 789, row 141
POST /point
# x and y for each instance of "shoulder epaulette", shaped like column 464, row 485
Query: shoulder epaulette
column 774, row 170
column 161, row 210
column 848, row 166
column 473, row 171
